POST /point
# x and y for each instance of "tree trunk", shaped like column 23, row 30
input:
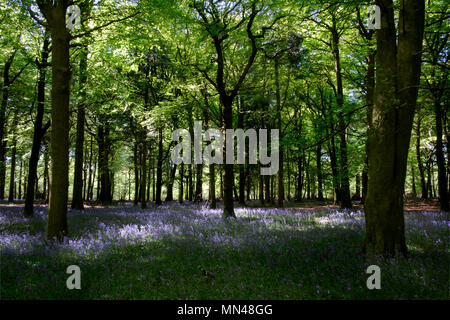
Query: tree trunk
column 39, row 131
column 242, row 185
column 77, row 197
column 261, row 186
column 180, row 191
column 308, row 180
column 248, row 180
column 212, row 173
column 319, row 172
column 149, row 177
column 144, row 174
column 94, row 173
column 267, row 189
column 105, row 196
column 345, row 199
column 272, row 188
column 198, row 182
column 212, row 187
column 358, row 186
column 429, row 186
column 153, row 181
column 334, row 172
column 136, row 174
column 59, row 139
column 159, row 168
column 370, row 87
column 172, row 172
column 20, row 179
column 442, row 175
column 423, row 185
column 13, row 165
column 46, row 171
column 414, row 191
column 4, row 105
column 221, row 182
column 397, row 79
column 280, row 200
column 88, row 196
column 240, row 124
column 299, row 178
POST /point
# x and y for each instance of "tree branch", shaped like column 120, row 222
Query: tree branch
column 103, row 26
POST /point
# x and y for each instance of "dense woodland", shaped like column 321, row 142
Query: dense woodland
column 87, row 114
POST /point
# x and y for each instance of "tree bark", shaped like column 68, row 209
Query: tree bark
column 136, row 174
column 77, row 196
column 308, row 180
column 442, row 175
column 12, row 177
column 248, row 180
column 299, row 179
column 429, row 186
column 358, row 186
column 105, row 196
column 3, row 107
column 46, row 172
column 144, row 174
column 280, row 200
column 59, row 139
column 180, row 191
column 228, row 178
column 198, row 182
column 20, row 179
column 149, row 176
column 88, row 195
column 370, row 87
column 423, row 185
column 397, row 79
column 261, row 187
column 212, row 187
column 319, row 172
column 172, row 172
column 39, row 131
column 159, row 167
column 345, row 199
column 242, row 178
column 334, row 172
column 414, row 191
column 299, row 184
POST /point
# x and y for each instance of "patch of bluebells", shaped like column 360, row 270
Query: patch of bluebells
column 97, row 230
column 170, row 251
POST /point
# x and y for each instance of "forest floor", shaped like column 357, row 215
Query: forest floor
column 307, row 251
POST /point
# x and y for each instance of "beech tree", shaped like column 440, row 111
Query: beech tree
column 219, row 24
column 398, row 65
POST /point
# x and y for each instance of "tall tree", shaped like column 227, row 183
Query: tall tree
column 220, row 22
column 397, row 78
column 55, row 15
column 39, row 128
column 77, row 197
column 436, row 49
column 12, row 182
column 8, row 81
